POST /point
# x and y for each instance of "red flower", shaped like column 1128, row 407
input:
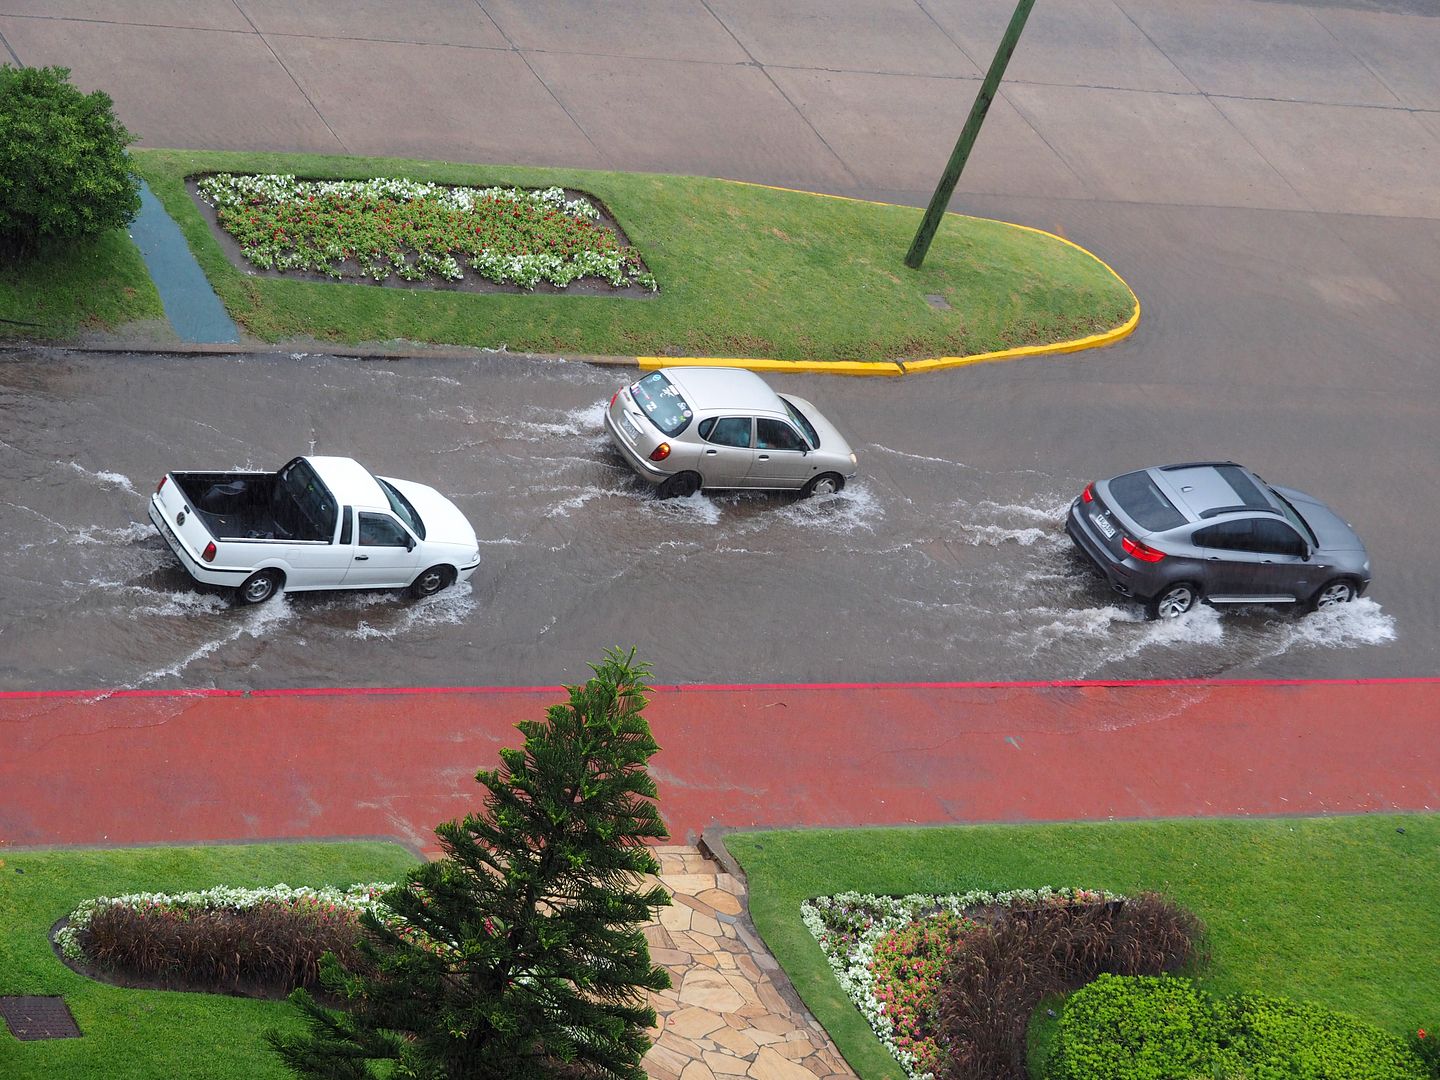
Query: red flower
column 1421, row 1033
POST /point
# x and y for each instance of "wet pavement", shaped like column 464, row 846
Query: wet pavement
column 944, row 561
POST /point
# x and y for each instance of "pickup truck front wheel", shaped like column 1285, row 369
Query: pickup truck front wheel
column 259, row 586
column 431, row 581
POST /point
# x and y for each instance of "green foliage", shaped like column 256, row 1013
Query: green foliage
column 1426, row 1045
column 1141, row 1028
column 1274, row 1038
column 64, row 175
column 529, row 961
column 1136, row 1027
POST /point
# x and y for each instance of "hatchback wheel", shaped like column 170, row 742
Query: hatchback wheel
column 680, row 486
column 824, row 484
column 1173, row 602
column 1333, row 594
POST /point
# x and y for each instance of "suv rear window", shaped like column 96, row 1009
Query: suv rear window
column 1136, row 494
column 661, row 401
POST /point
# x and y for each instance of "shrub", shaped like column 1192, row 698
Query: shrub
column 64, row 175
column 1275, row 1038
column 1134, row 1028
column 993, row 984
column 1425, row 1044
column 1142, row 1028
column 264, row 940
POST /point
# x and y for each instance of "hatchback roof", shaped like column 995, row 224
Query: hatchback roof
column 1205, row 488
column 719, row 389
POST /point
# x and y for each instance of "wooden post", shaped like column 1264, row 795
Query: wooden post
column 951, row 176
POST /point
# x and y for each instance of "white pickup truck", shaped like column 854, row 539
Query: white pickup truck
column 318, row 523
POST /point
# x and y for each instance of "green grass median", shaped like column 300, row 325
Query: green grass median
column 91, row 287
column 743, row 271
column 153, row 1034
column 1334, row 910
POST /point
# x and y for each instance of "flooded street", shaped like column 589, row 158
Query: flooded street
column 944, row 560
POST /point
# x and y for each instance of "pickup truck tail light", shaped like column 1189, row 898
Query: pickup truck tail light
column 209, row 553
column 161, row 484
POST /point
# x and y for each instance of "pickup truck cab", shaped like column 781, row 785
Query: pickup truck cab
column 318, row 523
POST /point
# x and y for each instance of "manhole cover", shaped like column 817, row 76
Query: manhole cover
column 33, row 1018
column 935, row 300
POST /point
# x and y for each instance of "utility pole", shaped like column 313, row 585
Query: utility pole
column 951, row 176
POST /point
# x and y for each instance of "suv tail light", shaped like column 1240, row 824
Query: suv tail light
column 209, row 553
column 161, row 484
column 1088, row 495
column 661, row 452
column 1143, row 552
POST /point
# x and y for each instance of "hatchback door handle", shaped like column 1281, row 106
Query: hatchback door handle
column 711, row 453
column 764, row 457
column 361, row 558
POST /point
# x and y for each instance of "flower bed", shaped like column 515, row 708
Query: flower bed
column 267, row 940
column 888, row 952
column 420, row 232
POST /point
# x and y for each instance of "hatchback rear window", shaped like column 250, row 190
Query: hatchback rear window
column 662, row 403
column 1136, row 494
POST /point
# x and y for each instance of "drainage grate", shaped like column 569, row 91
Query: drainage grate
column 32, row 1018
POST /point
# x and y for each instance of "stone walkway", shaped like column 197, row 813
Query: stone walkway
column 726, row 1015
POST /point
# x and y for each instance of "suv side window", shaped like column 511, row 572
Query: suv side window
column 378, row 530
column 777, row 435
column 1227, row 536
column 1275, row 537
column 729, row 431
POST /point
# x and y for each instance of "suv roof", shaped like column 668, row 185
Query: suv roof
column 1209, row 489
column 724, row 389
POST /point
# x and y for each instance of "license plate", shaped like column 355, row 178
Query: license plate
column 1103, row 524
column 630, row 426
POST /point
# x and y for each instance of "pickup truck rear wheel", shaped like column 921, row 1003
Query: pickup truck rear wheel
column 431, row 581
column 260, row 586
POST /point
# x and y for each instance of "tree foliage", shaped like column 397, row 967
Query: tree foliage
column 520, row 953
column 64, row 175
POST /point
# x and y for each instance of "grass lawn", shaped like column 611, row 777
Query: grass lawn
column 743, row 271
column 1336, row 910
column 97, row 286
column 142, row 1033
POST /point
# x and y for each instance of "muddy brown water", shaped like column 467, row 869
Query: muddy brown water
column 945, row 560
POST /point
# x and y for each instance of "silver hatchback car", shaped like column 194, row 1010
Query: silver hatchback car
column 687, row 428
column 1215, row 531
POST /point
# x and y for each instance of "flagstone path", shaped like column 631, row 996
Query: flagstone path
column 727, row 1015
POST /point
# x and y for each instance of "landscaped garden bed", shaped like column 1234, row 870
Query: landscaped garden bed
column 396, row 231
column 1313, row 928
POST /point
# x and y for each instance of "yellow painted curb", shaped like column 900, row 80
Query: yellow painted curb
column 895, row 367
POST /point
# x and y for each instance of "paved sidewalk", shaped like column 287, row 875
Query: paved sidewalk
column 726, row 1015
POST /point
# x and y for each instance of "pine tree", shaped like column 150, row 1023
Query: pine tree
column 520, row 953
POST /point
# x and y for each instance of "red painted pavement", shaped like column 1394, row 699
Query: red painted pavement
column 146, row 767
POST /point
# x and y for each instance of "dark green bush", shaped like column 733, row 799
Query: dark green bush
column 1140, row 1028
column 1279, row 1039
column 64, row 175
column 1135, row 1027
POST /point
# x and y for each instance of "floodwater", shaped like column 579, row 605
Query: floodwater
column 944, row 560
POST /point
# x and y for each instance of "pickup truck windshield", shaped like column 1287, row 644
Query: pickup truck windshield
column 403, row 510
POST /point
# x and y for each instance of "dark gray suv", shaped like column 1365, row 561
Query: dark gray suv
column 1215, row 531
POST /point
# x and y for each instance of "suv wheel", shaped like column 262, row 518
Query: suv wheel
column 1173, row 602
column 1333, row 594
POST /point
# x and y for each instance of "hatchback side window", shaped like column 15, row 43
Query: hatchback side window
column 377, row 530
column 1227, row 536
column 777, row 435
column 730, row 431
column 1277, row 538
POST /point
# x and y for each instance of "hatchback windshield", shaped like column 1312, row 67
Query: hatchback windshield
column 1136, row 494
column 805, row 425
column 662, row 402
